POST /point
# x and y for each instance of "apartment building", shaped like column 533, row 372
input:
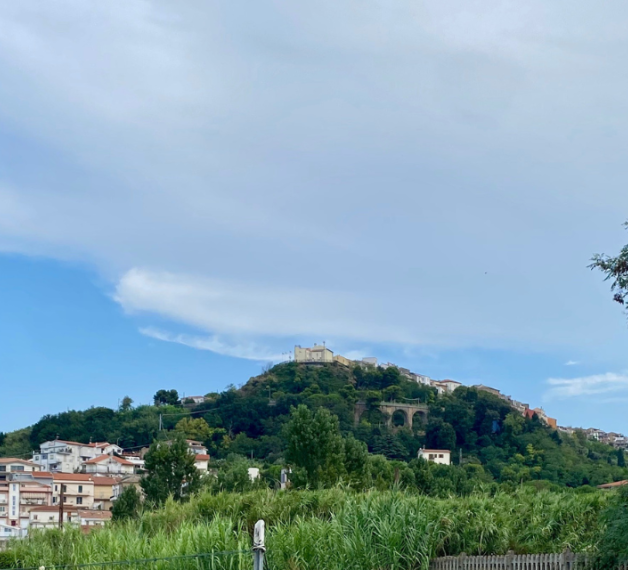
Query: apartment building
column 108, row 465
column 422, row 379
column 103, row 492
column 61, row 456
column 450, row 385
column 49, row 516
column 135, row 459
column 10, row 465
column 19, row 494
column 77, row 490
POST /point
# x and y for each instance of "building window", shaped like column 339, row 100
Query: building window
column 64, row 488
column 3, row 468
column 65, row 499
column 440, row 456
column 80, row 488
column 17, row 468
column 54, row 499
column 56, row 487
column 79, row 500
column 2, row 509
column 432, row 456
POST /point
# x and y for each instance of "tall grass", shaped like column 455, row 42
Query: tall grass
column 333, row 530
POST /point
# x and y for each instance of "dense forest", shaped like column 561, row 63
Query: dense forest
column 493, row 442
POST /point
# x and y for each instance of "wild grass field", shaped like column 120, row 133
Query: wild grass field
column 332, row 530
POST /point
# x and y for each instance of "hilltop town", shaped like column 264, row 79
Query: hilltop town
column 322, row 354
column 396, row 414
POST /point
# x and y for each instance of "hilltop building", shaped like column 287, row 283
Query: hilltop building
column 318, row 354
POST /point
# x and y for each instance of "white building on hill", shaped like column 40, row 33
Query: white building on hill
column 440, row 456
column 318, row 354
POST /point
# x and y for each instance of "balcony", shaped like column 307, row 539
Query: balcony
column 33, row 502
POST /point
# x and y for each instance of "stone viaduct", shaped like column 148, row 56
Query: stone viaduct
column 389, row 408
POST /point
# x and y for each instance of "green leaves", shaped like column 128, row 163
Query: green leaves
column 170, row 471
column 616, row 271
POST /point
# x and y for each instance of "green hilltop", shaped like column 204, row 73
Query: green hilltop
column 495, row 442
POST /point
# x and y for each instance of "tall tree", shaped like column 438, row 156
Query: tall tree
column 126, row 405
column 127, row 505
column 170, row 471
column 616, row 270
column 164, row 397
column 315, row 444
column 195, row 428
column 357, row 462
column 440, row 435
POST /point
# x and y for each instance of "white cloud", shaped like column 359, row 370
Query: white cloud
column 214, row 344
column 586, row 386
column 572, row 363
column 233, row 308
column 336, row 171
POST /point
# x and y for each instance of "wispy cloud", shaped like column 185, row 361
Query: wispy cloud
column 563, row 388
column 249, row 351
column 572, row 363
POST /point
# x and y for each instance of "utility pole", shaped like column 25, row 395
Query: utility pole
column 61, row 497
column 160, row 422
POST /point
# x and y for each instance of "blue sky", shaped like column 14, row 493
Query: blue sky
column 186, row 191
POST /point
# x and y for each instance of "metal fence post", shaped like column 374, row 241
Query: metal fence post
column 259, row 547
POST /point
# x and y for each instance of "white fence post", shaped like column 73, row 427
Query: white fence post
column 259, row 546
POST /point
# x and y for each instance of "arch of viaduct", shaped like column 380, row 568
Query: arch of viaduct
column 389, row 408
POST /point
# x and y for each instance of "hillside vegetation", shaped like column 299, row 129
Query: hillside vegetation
column 498, row 445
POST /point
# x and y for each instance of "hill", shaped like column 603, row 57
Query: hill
column 494, row 441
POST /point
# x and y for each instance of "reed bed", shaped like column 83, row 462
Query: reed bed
column 331, row 530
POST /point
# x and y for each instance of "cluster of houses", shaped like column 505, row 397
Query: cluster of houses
column 70, row 483
column 617, row 440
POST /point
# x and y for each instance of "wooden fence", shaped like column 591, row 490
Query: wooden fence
column 564, row 561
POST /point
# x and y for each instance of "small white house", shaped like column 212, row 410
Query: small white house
column 108, row 465
column 201, row 461
column 440, row 456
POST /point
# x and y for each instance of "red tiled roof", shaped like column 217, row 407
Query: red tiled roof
column 202, row 457
column 71, row 477
column 16, row 460
column 42, row 474
column 103, row 457
column 93, row 514
column 104, row 481
column 97, row 444
column 53, row 509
